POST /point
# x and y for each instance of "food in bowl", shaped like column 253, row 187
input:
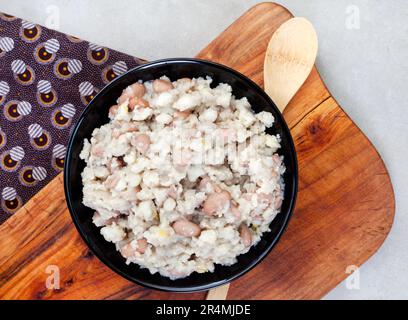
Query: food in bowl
column 183, row 176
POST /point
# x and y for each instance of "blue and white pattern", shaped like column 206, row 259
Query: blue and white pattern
column 39, row 173
column 6, row 44
column 42, row 72
column 59, row 151
column 119, row 67
column 44, row 86
column 52, row 46
column 9, row 193
column 24, row 108
column 68, row 110
column 35, row 131
column 74, row 66
column 86, row 88
column 4, row 88
column 17, row 153
column 18, row 66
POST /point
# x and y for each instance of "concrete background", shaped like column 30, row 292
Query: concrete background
column 362, row 58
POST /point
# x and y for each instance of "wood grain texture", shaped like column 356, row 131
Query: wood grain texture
column 345, row 205
column 289, row 59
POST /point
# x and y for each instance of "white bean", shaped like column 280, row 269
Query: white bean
column 169, row 204
column 164, row 118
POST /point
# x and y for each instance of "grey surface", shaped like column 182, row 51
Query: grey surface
column 366, row 69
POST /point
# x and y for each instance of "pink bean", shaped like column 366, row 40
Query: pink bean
column 112, row 181
column 182, row 114
column 138, row 102
column 129, row 127
column 276, row 158
column 135, row 90
column 172, row 192
column 123, row 98
column 245, row 234
column 204, row 184
column 141, row 245
column 265, row 198
column 128, row 251
column 184, row 80
column 216, row 202
column 278, row 203
column 113, row 111
column 186, row 228
column 97, row 151
column 141, row 142
column 160, row 85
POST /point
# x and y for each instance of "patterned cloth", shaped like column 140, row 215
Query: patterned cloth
column 46, row 80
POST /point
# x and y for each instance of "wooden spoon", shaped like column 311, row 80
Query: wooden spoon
column 289, row 58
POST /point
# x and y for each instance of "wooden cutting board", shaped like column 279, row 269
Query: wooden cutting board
column 344, row 212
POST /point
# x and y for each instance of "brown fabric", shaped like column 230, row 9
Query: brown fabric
column 46, row 80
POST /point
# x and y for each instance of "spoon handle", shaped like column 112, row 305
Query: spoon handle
column 219, row 293
column 289, row 59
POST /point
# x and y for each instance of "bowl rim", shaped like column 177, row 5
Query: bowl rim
column 195, row 288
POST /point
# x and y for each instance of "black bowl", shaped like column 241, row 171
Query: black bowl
column 96, row 114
